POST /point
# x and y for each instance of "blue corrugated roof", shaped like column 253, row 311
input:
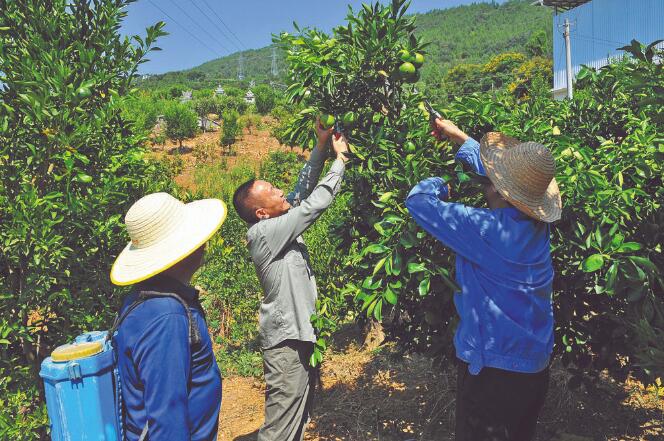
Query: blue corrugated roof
column 600, row 27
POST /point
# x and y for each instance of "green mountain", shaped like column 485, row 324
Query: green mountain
column 464, row 34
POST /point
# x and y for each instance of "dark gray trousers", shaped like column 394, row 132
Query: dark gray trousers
column 290, row 384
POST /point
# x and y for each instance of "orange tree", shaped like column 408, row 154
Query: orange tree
column 393, row 268
column 70, row 164
column 607, row 142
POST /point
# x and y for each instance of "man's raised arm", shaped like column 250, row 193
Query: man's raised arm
column 281, row 231
column 310, row 172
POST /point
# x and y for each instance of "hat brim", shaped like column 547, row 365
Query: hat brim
column 547, row 208
column 202, row 219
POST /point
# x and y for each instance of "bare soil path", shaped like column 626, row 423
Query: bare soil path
column 382, row 394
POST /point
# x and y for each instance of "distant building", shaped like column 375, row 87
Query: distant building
column 249, row 97
column 207, row 124
column 186, row 96
column 160, row 123
column 219, row 91
column 598, row 29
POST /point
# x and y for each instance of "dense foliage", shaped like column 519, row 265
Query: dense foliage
column 265, row 98
column 70, row 165
column 608, row 147
column 231, row 128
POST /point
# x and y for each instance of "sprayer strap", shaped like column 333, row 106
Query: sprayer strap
column 144, row 433
column 194, row 333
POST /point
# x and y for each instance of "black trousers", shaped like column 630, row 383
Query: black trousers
column 498, row 405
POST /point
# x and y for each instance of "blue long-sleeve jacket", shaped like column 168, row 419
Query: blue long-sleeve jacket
column 173, row 385
column 503, row 267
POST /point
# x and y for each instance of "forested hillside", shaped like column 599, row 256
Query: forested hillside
column 465, row 34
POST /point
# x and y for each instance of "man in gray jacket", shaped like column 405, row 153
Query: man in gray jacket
column 276, row 224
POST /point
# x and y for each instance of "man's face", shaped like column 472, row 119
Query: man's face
column 269, row 200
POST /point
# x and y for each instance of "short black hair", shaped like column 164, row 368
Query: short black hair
column 241, row 203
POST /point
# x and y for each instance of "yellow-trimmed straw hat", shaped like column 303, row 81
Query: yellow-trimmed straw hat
column 524, row 174
column 164, row 231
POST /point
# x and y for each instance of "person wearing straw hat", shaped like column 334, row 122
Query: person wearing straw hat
column 171, row 384
column 276, row 224
column 504, row 338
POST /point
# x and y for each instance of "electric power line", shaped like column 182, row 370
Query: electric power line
column 601, row 40
column 223, row 23
column 186, row 30
column 221, row 31
column 199, row 26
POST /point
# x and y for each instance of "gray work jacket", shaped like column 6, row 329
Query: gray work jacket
column 281, row 258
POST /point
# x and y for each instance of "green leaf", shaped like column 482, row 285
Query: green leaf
column 397, row 262
column 379, row 265
column 375, row 248
column 416, row 267
column 592, row 263
column 611, row 275
column 385, row 196
column 644, row 263
column 370, row 285
column 629, row 246
column 378, row 310
column 390, row 296
column 424, row 286
column 82, row 177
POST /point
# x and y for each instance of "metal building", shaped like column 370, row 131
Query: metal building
column 598, row 29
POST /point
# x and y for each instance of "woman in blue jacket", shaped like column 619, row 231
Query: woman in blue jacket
column 503, row 265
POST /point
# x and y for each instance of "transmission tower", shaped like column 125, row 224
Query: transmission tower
column 275, row 72
column 240, row 68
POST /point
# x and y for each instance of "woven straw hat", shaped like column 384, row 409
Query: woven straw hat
column 164, row 231
column 524, row 174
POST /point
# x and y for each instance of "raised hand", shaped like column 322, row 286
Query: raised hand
column 322, row 133
column 340, row 146
column 444, row 128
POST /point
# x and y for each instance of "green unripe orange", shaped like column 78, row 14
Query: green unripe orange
column 407, row 70
column 418, row 60
column 409, row 147
column 326, row 120
column 349, row 119
column 405, row 56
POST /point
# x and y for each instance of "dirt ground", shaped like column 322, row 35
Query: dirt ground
column 382, row 394
column 377, row 393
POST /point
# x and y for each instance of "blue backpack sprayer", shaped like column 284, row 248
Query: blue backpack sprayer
column 82, row 382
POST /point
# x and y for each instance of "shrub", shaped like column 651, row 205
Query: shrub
column 143, row 110
column 265, row 99
column 231, row 128
column 205, row 105
column 230, row 102
column 250, row 120
column 181, row 122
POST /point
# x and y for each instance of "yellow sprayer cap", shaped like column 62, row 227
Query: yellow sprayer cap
column 76, row 351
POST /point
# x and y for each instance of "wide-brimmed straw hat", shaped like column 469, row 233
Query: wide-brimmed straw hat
column 164, row 231
column 524, row 175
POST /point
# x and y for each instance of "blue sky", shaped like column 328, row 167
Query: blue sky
column 251, row 23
